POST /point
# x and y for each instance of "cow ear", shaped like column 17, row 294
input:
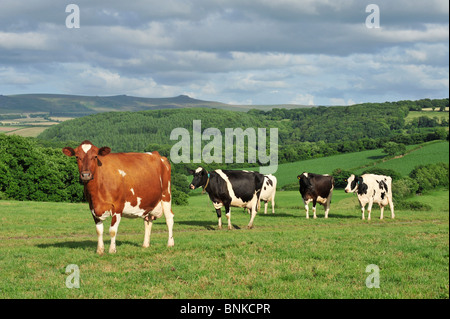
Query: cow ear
column 104, row 151
column 68, row 151
column 298, row 176
column 190, row 171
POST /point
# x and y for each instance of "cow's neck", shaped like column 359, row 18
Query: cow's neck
column 91, row 188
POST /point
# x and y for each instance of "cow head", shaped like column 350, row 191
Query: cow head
column 87, row 158
column 352, row 183
column 200, row 177
column 303, row 179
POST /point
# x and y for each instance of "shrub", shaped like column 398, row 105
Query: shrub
column 392, row 148
column 430, row 176
column 412, row 205
column 403, row 188
column 340, row 177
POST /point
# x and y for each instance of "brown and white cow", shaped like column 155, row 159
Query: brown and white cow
column 124, row 185
column 317, row 189
column 370, row 189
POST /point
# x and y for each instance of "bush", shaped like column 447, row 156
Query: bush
column 179, row 197
column 403, row 188
column 340, row 177
column 412, row 205
column 31, row 172
column 430, row 176
column 392, row 148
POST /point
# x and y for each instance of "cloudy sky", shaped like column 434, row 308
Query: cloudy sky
column 317, row 52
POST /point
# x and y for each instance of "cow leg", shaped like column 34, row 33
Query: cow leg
column 306, row 203
column 148, row 223
column 381, row 211
column 328, row 203
column 168, row 214
column 314, row 209
column 327, row 208
column 219, row 217
column 362, row 210
column 100, row 245
column 369, row 208
column 113, row 232
column 228, row 214
column 250, row 224
column 391, row 206
column 266, row 203
column 273, row 205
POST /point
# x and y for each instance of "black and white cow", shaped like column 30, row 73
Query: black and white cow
column 230, row 188
column 317, row 189
column 371, row 189
column 268, row 192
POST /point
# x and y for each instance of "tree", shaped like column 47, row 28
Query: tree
column 392, row 148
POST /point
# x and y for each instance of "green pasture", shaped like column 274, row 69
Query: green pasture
column 416, row 114
column 359, row 161
column 284, row 256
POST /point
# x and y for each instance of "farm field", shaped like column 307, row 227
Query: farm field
column 357, row 162
column 285, row 256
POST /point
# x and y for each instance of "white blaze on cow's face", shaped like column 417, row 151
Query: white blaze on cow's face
column 86, row 147
column 351, row 184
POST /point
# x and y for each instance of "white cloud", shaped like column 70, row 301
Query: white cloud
column 23, row 41
column 303, row 99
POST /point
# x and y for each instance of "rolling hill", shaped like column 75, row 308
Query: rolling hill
column 78, row 105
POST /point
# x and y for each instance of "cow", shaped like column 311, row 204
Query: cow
column 124, row 185
column 268, row 192
column 371, row 189
column 316, row 188
column 230, row 188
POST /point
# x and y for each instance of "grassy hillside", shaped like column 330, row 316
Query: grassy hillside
column 285, row 256
column 431, row 152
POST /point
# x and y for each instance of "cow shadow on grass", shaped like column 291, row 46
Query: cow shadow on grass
column 302, row 215
column 208, row 225
column 84, row 244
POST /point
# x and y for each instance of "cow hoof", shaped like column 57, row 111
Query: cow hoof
column 230, row 228
column 112, row 251
column 145, row 245
column 170, row 243
column 249, row 226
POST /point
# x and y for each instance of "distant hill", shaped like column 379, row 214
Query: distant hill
column 78, row 105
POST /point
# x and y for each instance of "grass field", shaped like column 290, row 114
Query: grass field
column 357, row 162
column 429, row 113
column 285, row 256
